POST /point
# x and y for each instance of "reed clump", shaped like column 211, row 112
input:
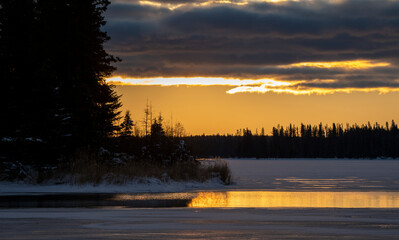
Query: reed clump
column 93, row 168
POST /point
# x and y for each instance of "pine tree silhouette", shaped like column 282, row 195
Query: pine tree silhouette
column 127, row 125
column 53, row 66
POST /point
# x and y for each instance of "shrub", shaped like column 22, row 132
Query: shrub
column 96, row 168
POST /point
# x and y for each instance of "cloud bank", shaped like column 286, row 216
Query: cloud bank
column 315, row 46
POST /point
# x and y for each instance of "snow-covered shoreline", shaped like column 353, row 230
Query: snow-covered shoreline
column 149, row 185
column 251, row 174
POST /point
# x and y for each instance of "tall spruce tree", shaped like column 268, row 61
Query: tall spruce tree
column 53, row 66
column 126, row 128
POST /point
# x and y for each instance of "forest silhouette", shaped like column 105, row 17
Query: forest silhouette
column 304, row 141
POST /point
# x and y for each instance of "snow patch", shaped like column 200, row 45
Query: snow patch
column 144, row 185
column 7, row 139
column 32, row 139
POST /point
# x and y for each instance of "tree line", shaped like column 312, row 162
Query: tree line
column 304, row 141
column 142, row 128
column 152, row 139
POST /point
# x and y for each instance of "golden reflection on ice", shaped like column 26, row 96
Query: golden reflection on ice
column 271, row 199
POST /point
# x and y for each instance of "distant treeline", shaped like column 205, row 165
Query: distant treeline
column 304, row 141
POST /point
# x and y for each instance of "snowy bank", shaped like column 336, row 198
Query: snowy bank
column 148, row 185
column 250, row 174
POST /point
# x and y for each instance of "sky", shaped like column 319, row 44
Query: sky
column 217, row 66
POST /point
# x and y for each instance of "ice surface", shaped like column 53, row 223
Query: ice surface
column 302, row 174
column 186, row 223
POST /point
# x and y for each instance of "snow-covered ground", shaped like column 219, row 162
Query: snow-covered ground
column 249, row 174
column 143, row 186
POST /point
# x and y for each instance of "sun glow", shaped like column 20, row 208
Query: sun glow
column 215, row 2
column 309, row 91
column 173, row 6
column 349, row 65
column 276, row 1
column 196, row 81
column 247, row 85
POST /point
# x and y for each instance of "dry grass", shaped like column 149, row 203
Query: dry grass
column 94, row 169
column 216, row 168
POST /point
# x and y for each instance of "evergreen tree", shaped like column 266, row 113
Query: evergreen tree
column 157, row 131
column 79, row 64
column 53, row 68
column 157, row 140
column 127, row 125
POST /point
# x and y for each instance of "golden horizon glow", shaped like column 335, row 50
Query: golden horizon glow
column 349, row 65
column 170, row 6
column 317, row 91
column 173, row 6
column 209, row 110
column 276, row 199
column 223, row 2
column 247, row 85
column 196, row 81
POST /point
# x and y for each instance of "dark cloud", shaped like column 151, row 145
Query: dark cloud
column 159, row 1
column 351, row 84
column 253, row 40
column 131, row 12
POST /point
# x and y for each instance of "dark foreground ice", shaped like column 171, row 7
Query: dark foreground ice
column 189, row 223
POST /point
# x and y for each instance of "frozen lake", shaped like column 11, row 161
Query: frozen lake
column 271, row 199
column 190, row 223
column 328, row 174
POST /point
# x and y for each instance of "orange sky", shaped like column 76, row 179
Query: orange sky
column 210, row 110
column 221, row 65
